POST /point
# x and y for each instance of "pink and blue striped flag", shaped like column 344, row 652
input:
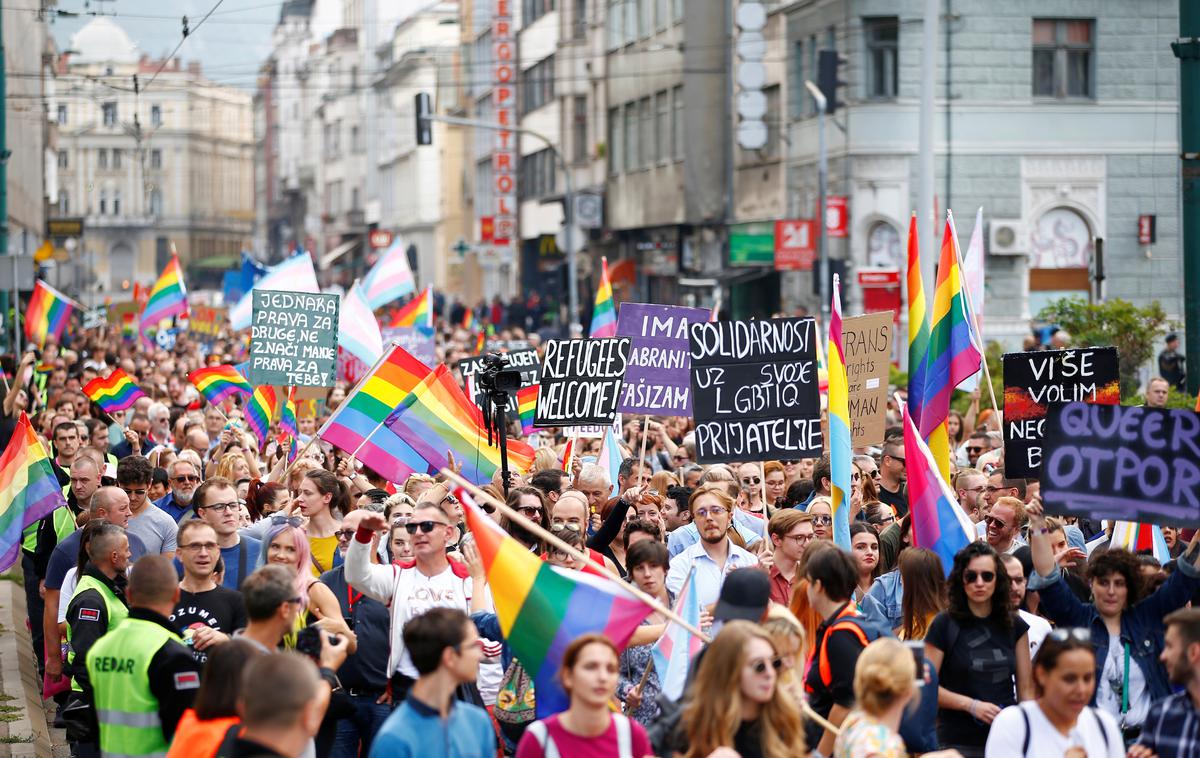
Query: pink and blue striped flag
column 840, row 450
column 610, row 458
column 358, row 329
column 390, row 278
column 674, row 651
column 938, row 523
column 604, row 314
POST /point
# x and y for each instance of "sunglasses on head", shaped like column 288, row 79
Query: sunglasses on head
column 425, row 526
column 1078, row 634
column 295, row 521
column 970, row 577
column 760, row 667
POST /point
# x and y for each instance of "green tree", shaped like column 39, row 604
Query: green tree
column 1132, row 330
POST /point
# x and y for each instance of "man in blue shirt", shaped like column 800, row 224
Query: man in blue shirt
column 184, row 479
column 216, row 504
column 445, row 650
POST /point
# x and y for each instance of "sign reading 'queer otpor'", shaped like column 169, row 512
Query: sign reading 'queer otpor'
column 293, row 339
column 754, row 390
column 1123, row 463
column 580, row 382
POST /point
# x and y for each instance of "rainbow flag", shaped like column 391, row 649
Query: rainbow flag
column 526, row 405
column 117, row 392
column 437, row 417
column 416, row 312
column 604, row 313
column 468, row 320
column 48, row 313
column 938, row 523
column 674, row 651
column 29, row 491
column 918, row 324
column 568, row 453
column 219, row 382
column 260, row 412
column 357, row 426
column 167, row 300
column 542, row 608
column 480, row 342
column 287, row 417
column 1135, row 537
column 390, row 278
column 840, row 451
column 952, row 354
column 358, row 329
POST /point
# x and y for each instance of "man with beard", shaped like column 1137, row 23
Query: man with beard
column 715, row 555
column 970, row 486
column 206, row 613
column 184, row 479
column 1172, row 727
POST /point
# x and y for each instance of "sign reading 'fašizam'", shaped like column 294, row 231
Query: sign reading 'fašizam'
column 754, row 390
column 581, row 380
column 658, row 380
column 293, row 339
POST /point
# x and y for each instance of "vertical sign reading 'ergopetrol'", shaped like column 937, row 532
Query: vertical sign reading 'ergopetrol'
column 754, row 390
column 504, row 148
column 293, row 339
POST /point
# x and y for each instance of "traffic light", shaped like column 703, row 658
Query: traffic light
column 424, row 125
column 828, row 65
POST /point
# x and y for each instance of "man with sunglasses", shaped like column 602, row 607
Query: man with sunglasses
column 978, row 444
column 183, row 479
column 216, row 504
column 156, row 529
column 1004, row 524
column 892, row 476
column 970, row 486
column 431, row 581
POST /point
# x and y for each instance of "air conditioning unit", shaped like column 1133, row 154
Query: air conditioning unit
column 1006, row 237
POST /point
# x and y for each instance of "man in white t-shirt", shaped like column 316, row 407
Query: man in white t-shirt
column 1038, row 626
column 431, row 581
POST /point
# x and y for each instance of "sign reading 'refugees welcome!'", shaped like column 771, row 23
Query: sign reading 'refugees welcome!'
column 754, row 390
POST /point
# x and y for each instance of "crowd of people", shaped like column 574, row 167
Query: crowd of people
column 199, row 596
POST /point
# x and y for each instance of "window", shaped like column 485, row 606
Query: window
column 156, row 202
column 615, row 23
column 356, row 139
column 798, row 95
column 62, row 114
column 662, row 14
column 532, row 10
column 774, row 122
column 156, row 158
column 646, row 136
column 883, row 245
column 882, row 45
column 1062, row 58
column 616, row 141
column 116, row 161
column 354, row 198
column 103, row 203
column 677, row 10
column 677, row 120
column 645, row 20
column 633, row 151
column 579, row 22
column 1061, row 248
column 64, row 203
column 663, row 150
column 579, row 124
column 156, row 115
column 537, row 177
column 64, row 160
column 102, row 158
column 117, row 203
column 110, row 114
column 537, row 85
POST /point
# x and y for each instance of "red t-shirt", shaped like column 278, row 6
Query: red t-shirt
column 573, row 746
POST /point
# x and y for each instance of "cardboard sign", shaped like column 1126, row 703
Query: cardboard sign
column 206, row 320
column 754, row 390
column 95, row 318
column 417, row 341
column 118, row 312
column 658, row 380
column 525, row 361
column 867, row 342
column 293, row 339
column 1124, row 463
column 580, row 382
column 1034, row 381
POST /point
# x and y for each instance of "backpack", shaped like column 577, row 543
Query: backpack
column 1029, row 729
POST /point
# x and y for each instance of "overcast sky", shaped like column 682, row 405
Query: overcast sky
column 230, row 45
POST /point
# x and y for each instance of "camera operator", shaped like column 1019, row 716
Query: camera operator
column 498, row 384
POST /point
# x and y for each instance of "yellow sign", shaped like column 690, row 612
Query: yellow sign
column 44, row 252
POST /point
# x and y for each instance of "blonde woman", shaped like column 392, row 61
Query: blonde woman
column 789, row 638
column 883, row 686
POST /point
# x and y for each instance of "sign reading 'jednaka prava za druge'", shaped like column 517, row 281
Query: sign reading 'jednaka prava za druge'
column 293, row 339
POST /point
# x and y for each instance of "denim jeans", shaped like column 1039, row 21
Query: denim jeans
column 361, row 727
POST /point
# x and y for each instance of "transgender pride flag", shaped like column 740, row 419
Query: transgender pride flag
column 674, row 651
column 938, row 523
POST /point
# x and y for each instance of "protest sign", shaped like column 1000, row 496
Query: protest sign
column 867, row 341
column 206, row 320
column 1123, row 463
column 293, row 339
column 596, row 431
column 118, row 312
column 580, row 381
column 95, row 318
column 417, row 341
column 658, row 380
column 754, row 390
column 525, row 361
column 1034, row 381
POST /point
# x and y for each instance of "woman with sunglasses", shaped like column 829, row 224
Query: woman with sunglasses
column 285, row 544
column 979, row 647
column 530, row 503
column 1126, row 625
column 1060, row 721
column 739, row 705
column 822, row 513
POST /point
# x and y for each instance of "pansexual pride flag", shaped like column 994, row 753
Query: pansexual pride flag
column 219, row 382
column 260, row 412
column 167, row 300
column 840, row 450
column 29, row 491
column 674, row 651
column 116, row 392
column 938, row 523
column 47, row 315
column 526, row 406
column 390, row 278
column 542, row 608
column 416, row 312
column 604, row 313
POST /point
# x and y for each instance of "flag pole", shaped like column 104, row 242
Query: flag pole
column 575, row 553
column 987, row 374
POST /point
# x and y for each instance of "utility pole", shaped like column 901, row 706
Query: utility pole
column 822, row 176
column 4, row 304
column 1187, row 50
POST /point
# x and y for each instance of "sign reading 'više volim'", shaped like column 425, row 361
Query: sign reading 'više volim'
column 293, row 339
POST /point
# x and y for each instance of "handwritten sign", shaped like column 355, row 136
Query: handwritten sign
column 293, row 339
column 867, row 342
column 95, row 318
column 525, row 361
column 580, row 382
column 754, row 390
column 1034, row 381
column 658, row 380
column 1124, row 463
column 206, row 320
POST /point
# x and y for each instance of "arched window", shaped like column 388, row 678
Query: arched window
column 1060, row 251
column 883, row 246
column 156, row 202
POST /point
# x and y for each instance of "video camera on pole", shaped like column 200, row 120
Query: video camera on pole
column 498, row 382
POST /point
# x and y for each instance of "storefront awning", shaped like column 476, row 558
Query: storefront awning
column 331, row 257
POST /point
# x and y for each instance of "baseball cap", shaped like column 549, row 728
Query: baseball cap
column 744, row 596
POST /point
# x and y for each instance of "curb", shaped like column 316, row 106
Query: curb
column 18, row 676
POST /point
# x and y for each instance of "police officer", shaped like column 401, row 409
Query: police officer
column 141, row 675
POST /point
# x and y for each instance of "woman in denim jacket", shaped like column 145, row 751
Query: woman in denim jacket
column 1127, row 629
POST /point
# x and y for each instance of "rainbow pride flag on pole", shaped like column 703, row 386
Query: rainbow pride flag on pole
column 260, row 412
column 48, row 313
column 674, row 651
column 116, row 392
column 938, row 523
column 390, row 278
column 416, row 312
column 437, row 417
column 604, row 313
column 952, row 355
column 29, row 491
column 526, row 406
column 918, row 323
column 542, row 608
column 219, row 382
column 840, row 450
column 287, row 417
column 167, row 300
